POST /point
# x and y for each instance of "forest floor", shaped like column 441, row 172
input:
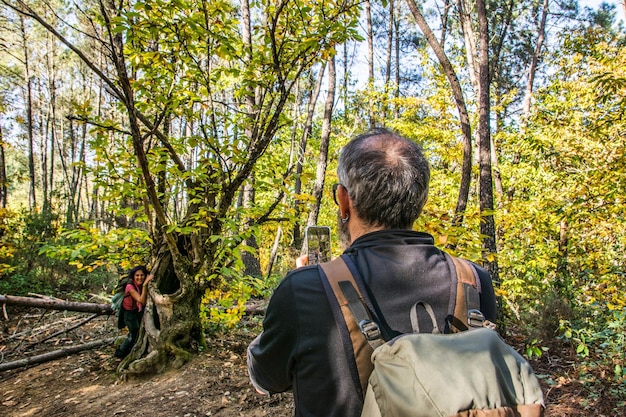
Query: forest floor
column 214, row 383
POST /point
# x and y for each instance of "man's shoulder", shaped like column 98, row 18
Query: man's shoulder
column 304, row 272
column 477, row 267
column 482, row 272
column 301, row 279
column 298, row 291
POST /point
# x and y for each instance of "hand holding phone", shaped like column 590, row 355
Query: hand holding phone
column 318, row 244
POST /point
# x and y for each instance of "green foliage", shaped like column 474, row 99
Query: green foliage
column 23, row 270
column 26, row 268
column 223, row 308
column 533, row 349
column 7, row 246
column 562, row 221
column 196, row 70
column 87, row 248
column 600, row 340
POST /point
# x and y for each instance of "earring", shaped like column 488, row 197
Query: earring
column 345, row 220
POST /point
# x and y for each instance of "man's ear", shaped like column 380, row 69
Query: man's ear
column 343, row 199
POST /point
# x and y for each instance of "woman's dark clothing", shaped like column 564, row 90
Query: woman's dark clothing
column 301, row 348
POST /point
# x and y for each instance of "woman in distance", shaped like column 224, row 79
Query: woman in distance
column 135, row 295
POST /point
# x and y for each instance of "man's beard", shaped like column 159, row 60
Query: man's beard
column 344, row 234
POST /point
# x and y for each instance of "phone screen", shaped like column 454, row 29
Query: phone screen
column 318, row 244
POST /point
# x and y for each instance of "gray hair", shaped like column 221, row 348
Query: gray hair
column 386, row 177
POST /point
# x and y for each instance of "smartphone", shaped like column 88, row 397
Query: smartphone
column 318, row 244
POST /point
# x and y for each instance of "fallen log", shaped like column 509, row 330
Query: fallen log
column 56, row 354
column 51, row 304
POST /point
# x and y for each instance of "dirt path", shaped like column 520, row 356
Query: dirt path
column 208, row 386
column 215, row 383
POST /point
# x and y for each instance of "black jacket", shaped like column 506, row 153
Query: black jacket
column 300, row 347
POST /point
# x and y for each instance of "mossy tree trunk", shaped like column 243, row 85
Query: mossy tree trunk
column 172, row 330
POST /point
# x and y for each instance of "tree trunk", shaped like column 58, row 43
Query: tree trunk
column 561, row 283
column 29, row 119
column 68, row 183
column 370, row 60
column 3, row 174
column 444, row 22
column 172, row 331
column 274, row 253
column 44, row 154
column 497, row 178
column 346, row 77
column 306, row 131
column 487, row 224
column 49, row 136
column 397, row 62
column 250, row 260
column 389, row 43
column 494, row 74
column 541, row 34
column 457, row 91
column 465, row 18
column 320, row 175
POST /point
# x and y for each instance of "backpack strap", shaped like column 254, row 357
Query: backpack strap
column 350, row 308
column 467, row 314
column 126, row 295
column 415, row 325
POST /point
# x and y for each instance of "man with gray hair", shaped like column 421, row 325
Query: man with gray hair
column 383, row 186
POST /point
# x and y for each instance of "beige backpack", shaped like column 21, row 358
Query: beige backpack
column 465, row 374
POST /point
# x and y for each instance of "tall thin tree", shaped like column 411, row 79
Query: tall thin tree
column 3, row 173
column 322, row 163
column 487, row 223
column 541, row 35
column 370, row 60
column 459, row 99
column 30, row 134
column 301, row 150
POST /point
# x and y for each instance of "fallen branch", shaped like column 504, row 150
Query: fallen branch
column 93, row 297
column 32, row 332
column 49, row 304
column 87, row 320
column 45, row 297
column 57, row 354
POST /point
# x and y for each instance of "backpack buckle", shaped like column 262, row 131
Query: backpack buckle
column 475, row 318
column 370, row 330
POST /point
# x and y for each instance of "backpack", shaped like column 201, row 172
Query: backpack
column 118, row 298
column 464, row 374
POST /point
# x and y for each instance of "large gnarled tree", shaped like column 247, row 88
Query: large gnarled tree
column 203, row 86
